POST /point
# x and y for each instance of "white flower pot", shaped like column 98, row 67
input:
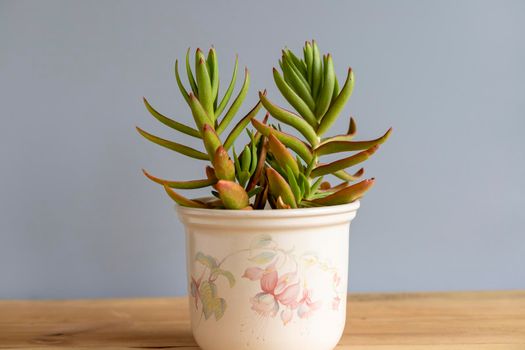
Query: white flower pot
column 268, row 279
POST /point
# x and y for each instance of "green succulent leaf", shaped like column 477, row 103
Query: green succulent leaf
column 309, row 60
column 236, row 104
column 170, row 122
column 233, row 196
column 343, row 175
column 325, row 95
column 296, row 61
column 199, row 114
column 204, row 83
column 295, row 100
column 314, row 187
column 345, row 146
column 347, row 194
column 290, row 141
column 304, row 183
column 223, row 166
column 213, row 69
column 282, row 155
column 279, row 187
column 257, row 178
column 317, row 70
column 229, row 90
column 291, row 119
column 338, row 104
column 246, row 158
column 288, row 67
column 336, row 89
column 241, row 125
column 189, row 72
column 177, row 147
column 343, row 163
column 254, row 192
column 181, row 200
column 299, row 84
column 179, row 83
column 290, row 63
column 237, row 164
column 350, row 134
column 211, row 140
column 253, row 152
column 183, row 185
column 292, row 181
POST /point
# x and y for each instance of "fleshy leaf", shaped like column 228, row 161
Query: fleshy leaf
column 325, row 95
column 296, row 145
column 350, row 134
column 211, row 140
column 241, row 125
column 256, row 176
column 181, row 200
column 236, row 104
column 170, row 122
column 292, row 181
column 232, row 194
column 345, row 146
column 282, row 155
column 177, row 147
column 299, row 84
column 199, row 114
column 294, row 99
column 179, row 83
column 343, row 163
column 291, row 119
column 309, row 60
column 183, row 185
column 223, row 165
column 189, row 72
column 317, row 70
column 343, row 175
column 338, row 104
column 347, row 194
column 204, row 84
column 279, row 187
column 213, row 69
column 229, row 91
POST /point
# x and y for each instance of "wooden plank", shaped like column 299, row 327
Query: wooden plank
column 413, row 321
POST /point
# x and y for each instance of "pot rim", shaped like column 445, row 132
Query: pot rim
column 270, row 213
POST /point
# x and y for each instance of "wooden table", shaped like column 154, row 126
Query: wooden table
column 415, row 321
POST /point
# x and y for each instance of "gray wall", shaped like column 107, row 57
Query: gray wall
column 77, row 218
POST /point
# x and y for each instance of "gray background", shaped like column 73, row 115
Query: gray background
column 78, row 219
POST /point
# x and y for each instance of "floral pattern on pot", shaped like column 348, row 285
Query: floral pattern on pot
column 204, row 290
column 282, row 276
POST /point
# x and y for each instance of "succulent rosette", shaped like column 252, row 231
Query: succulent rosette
column 275, row 168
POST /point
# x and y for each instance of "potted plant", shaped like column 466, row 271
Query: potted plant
column 267, row 253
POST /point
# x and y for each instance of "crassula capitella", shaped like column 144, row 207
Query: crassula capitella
column 274, row 168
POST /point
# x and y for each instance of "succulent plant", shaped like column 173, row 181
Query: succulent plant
column 273, row 167
column 227, row 176
column 310, row 86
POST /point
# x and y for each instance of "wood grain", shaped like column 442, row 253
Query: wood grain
column 414, row 321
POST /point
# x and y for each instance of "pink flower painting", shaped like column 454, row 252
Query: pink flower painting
column 281, row 283
column 280, row 293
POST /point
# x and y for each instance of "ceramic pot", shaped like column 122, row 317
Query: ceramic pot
column 268, row 279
